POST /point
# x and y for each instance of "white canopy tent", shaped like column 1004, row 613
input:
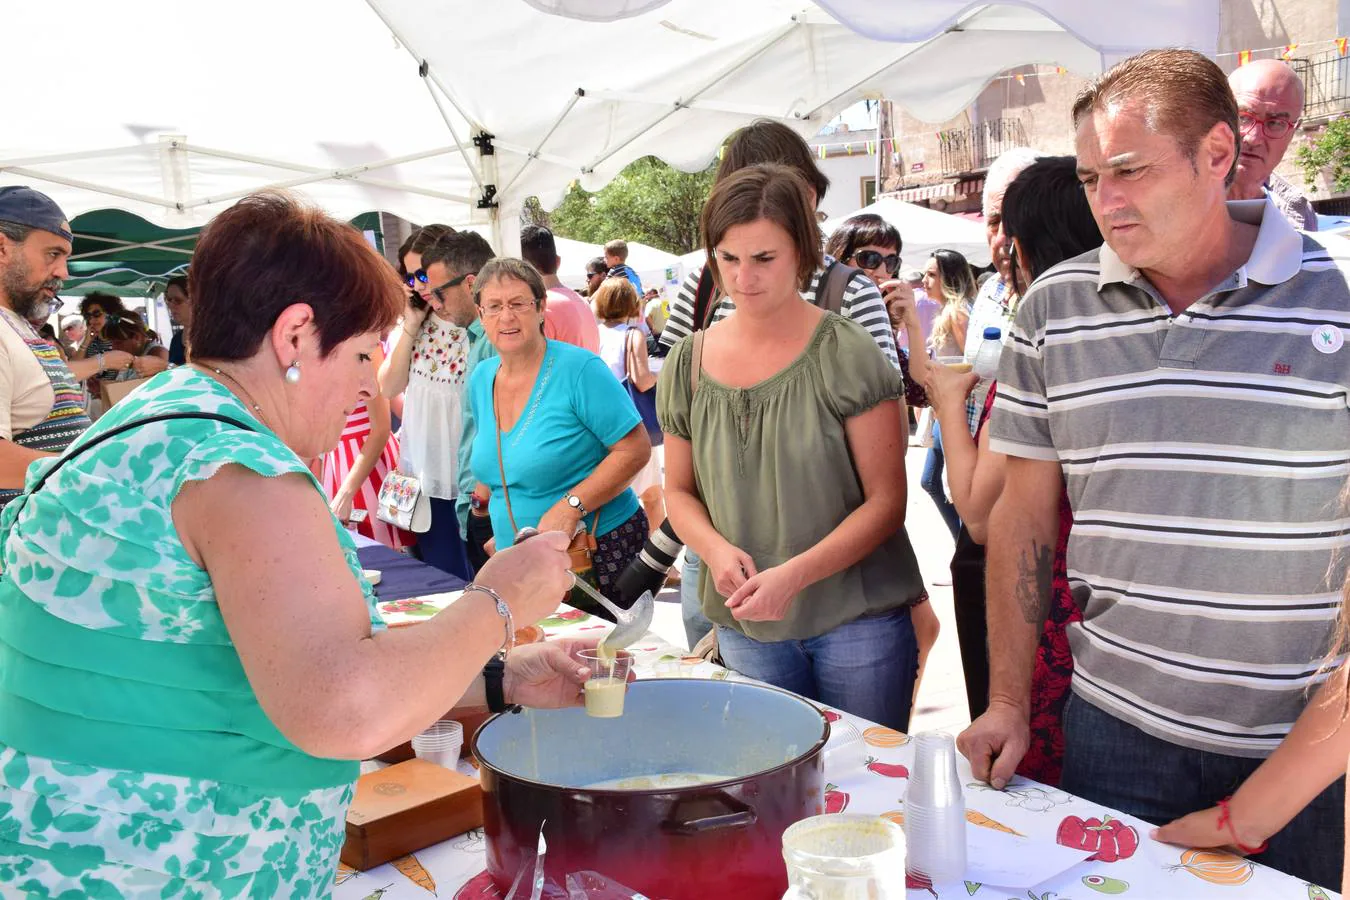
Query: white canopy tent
column 458, row 110
column 923, row 230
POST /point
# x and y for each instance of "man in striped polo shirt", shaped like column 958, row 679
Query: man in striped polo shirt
column 1187, row 383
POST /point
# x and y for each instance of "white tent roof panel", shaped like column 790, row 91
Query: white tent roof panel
column 324, row 96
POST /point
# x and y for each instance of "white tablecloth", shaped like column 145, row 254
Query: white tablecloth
column 873, row 781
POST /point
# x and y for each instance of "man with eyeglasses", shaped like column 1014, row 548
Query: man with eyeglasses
column 1270, row 102
column 596, row 273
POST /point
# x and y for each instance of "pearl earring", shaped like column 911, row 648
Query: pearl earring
column 293, row 373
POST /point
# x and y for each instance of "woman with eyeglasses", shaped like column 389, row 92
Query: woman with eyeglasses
column 99, row 311
column 558, row 440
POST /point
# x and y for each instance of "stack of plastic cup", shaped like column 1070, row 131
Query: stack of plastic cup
column 935, row 811
column 440, row 744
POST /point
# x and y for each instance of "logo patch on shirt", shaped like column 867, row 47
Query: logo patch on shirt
column 1282, row 368
column 1328, row 338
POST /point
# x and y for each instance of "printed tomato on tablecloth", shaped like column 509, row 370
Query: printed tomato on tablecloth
column 1112, row 839
column 835, row 799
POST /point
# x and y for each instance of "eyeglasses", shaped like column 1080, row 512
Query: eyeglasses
column 871, row 259
column 93, row 314
column 1273, row 128
column 590, row 275
column 453, row 282
column 517, row 307
column 420, row 276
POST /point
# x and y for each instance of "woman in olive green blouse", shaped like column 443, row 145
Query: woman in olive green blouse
column 785, row 466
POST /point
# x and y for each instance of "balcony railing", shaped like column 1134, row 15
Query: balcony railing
column 1326, row 83
column 973, row 148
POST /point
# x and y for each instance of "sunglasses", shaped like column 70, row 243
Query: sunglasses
column 453, row 282
column 871, row 259
column 415, row 278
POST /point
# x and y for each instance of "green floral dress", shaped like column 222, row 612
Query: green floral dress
column 135, row 760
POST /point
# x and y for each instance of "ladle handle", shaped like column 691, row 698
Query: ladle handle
column 527, row 532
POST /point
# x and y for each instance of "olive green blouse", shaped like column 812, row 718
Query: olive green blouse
column 773, row 467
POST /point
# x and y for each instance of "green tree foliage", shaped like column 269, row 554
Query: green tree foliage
column 649, row 202
column 1329, row 153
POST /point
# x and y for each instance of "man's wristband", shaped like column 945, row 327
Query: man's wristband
column 494, row 677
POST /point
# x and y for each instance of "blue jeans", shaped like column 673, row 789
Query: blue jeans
column 441, row 546
column 1111, row 762
column 866, row 667
column 696, row 624
column 931, row 482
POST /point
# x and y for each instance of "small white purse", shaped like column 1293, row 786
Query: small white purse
column 403, row 503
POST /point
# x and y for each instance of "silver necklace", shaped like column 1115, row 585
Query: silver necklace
column 247, row 396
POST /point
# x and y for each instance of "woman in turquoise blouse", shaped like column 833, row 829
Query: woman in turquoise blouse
column 570, row 439
column 192, row 665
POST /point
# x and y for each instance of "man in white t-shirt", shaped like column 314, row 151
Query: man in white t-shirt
column 41, row 404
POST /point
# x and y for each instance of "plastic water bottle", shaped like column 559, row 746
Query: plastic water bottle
column 986, row 358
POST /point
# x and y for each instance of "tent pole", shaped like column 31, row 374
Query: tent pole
column 153, row 245
column 454, row 135
column 710, row 105
column 739, row 63
column 355, row 172
column 71, row 157
column 23, row 172
column 534, row 154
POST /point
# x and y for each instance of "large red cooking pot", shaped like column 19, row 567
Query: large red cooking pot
column 720, row 839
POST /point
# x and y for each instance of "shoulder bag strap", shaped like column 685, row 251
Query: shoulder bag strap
column 833, row 283
column 704, row 306
column 695, row 365
column 127, row 426
column 501, row 465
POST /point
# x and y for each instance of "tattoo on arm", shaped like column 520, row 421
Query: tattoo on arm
column 1034, row 582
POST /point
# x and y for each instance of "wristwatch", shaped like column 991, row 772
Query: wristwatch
column 494, row 674
column 575, row 502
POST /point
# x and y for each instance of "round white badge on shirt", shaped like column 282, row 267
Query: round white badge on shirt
column 1328, row 338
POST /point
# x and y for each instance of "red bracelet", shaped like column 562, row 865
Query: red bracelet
column 1226, row 818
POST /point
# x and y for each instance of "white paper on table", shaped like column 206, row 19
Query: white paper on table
column 1005, row 860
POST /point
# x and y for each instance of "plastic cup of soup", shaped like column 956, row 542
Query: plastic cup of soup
column 608, row 682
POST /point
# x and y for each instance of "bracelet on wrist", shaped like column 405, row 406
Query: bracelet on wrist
column 1226, row 819
column 503, row 610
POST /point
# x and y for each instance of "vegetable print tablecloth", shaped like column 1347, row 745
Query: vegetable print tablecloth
column 870, row 776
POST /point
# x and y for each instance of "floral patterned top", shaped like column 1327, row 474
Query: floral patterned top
column 135, row 760
column 433, row 407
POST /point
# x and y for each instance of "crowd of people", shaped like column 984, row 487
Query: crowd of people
column 1145, row 505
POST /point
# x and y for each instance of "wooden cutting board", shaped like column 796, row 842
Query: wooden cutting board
column 406, row 807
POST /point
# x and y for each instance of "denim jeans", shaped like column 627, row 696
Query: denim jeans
column 1113, row 763
column 696, row 624
column 931, row 482
column 866, row 667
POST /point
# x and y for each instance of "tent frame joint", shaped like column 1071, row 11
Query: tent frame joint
column 483, row 141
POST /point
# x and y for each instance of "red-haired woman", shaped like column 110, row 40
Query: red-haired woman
column 193, row 664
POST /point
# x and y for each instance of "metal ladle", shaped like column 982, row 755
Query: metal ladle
column 633, row 622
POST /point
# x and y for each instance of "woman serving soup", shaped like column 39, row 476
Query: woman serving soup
column 193, row 664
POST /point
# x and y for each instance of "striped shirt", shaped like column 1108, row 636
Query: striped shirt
column 1204, row 455
column 861, row 302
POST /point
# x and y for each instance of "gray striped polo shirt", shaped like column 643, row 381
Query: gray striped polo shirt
column 1204, row 456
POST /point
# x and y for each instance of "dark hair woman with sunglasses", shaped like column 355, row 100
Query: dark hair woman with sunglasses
column 436, row 343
